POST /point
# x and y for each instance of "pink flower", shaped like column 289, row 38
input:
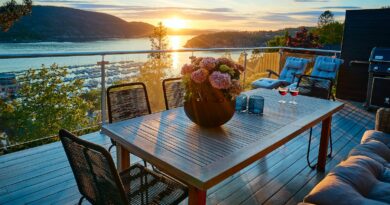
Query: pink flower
column 196, row 60
column 200, row 75
column 187, row 69
column 220, row 80
column 208, row 63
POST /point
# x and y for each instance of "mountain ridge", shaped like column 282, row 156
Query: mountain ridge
column 51, row 23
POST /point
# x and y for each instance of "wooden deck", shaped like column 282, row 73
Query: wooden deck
column 42, row 175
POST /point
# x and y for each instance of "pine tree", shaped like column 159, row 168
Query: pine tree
column 325, row 18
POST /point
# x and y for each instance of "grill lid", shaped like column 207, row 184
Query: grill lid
column 380, row 55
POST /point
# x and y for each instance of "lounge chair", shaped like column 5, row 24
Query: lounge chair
column 325, row 67
column 293, row 66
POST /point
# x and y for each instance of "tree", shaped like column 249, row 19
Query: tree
column 159, row 41
column 278, row 40
column 325, row 18
column 330, row 34
column 11, row 11
column 44, row 105
column 156, row 68
column 304, row 39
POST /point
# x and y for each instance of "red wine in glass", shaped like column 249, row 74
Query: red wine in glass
column 293, row 92
column 282, row 92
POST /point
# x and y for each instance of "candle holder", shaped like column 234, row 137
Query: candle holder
column 256, row 104
column 241, row 103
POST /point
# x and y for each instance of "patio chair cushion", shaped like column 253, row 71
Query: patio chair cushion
column 326, row 67
column 292, row 67
column 358, row 180
column 376, row 135
column 375, row 150
column 268, row 83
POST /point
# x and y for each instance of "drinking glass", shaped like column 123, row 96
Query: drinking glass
column 256, row 104
column 241, row 103
column 282, row 91
column 293, row 92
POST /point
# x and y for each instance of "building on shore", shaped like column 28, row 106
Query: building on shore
column 8, row 85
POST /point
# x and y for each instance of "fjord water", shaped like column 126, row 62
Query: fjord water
column 15, row 65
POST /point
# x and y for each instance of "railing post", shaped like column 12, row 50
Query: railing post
column 280, row 59
column 103, row 88
column 245, row 61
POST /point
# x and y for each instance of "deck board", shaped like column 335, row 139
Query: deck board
column 42, row 175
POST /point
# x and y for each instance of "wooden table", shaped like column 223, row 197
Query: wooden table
column 201, row 157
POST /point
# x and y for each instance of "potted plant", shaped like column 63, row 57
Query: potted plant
column 211, row 86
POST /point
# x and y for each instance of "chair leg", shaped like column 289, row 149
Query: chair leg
column 109, row 149
column 113, row 145
column 308, row 151
column 145, row 163
column 330, row 145
column 81, row 200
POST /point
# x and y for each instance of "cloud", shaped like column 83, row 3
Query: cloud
column 311, row 0
column 278, row 18
column 143, row 8
column 314, row 13
column 168, row 13
column 339, row 7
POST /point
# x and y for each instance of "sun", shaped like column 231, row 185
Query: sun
column 175, row 23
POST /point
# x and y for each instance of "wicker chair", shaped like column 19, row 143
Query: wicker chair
column 99, row 182
column 173, row 92
column 382, row 122
column 320, row 88
column 126, row 101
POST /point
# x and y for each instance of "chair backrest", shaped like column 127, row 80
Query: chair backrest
column 293, row 66
column 173, row 92
column 326, row 67
column 315, row 86
column 94, row 170
column 126, row 101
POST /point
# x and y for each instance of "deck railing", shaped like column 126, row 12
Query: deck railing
column 261, row 58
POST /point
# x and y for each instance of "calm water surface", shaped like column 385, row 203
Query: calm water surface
column 9, row 65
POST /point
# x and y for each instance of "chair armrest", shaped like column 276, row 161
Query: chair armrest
column 382, row 122
column 270, row 72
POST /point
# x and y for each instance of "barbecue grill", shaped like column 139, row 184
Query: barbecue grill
column 378, row 92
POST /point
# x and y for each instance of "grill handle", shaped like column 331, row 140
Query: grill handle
column 379, row 61
column 358, row 62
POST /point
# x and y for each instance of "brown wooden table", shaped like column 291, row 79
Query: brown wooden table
column 201, row 157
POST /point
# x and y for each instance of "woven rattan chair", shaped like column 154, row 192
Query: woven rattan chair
column 173, row 93
column 382, row 122
column 99, row 182
column 318, row 87
column 126, row 101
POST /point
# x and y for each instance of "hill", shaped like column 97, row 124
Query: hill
column 49, row 23
column 225, row 39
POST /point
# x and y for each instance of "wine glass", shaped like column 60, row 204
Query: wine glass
column 293, row 92
column 282, row 91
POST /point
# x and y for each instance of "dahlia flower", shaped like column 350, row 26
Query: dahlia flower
column 187, row 69
column 200, row 75
column 208, row 63
column 220, row 80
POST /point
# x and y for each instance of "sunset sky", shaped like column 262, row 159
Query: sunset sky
column 221, row 14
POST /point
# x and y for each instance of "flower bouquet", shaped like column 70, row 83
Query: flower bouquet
column 211, row 86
